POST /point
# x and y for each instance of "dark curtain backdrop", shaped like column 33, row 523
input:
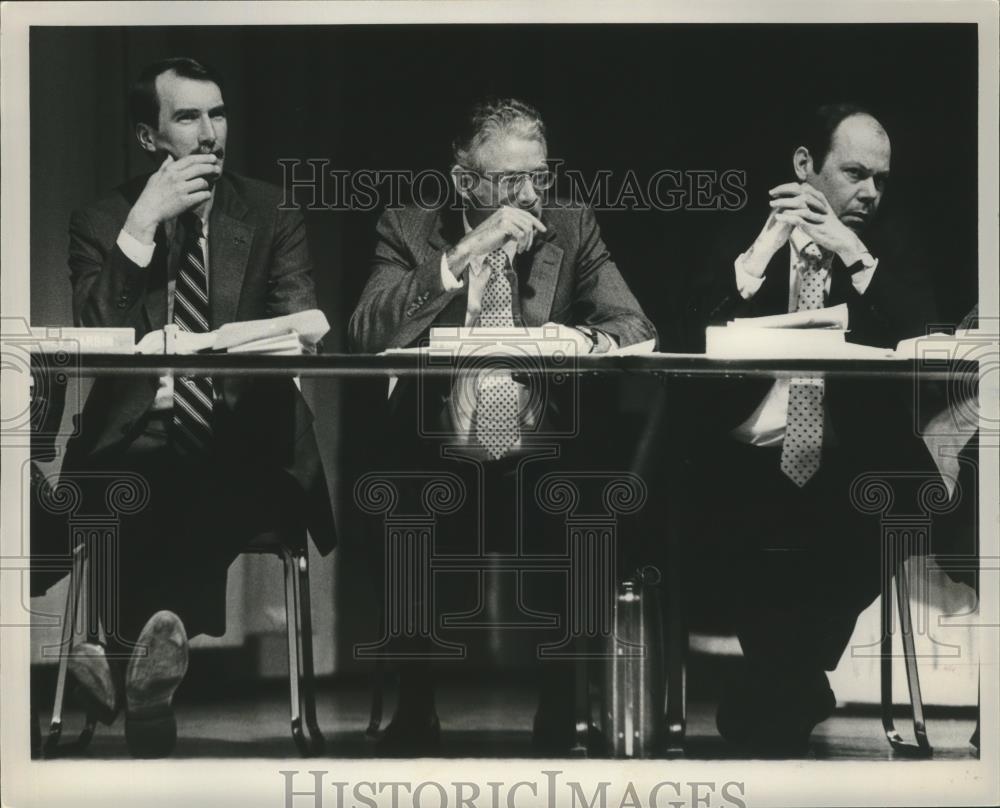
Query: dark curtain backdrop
column 614, row 97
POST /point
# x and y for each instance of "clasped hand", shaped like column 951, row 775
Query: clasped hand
column 801, row 205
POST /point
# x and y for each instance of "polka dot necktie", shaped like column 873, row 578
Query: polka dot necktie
column 496, row 418
column 803, row 445
column 193, row 396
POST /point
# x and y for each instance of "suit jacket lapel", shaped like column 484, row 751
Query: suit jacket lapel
column 775, row 293
column 839, row 282
column 165, row 257
column 229, row 242
column 539, row 287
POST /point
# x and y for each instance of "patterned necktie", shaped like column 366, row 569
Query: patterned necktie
column 803, row 445
column 193, row 396
column 496, row 418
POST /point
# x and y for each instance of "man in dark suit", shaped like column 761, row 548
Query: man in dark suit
column 498, row 258
column 801, row 561
column 224, row 459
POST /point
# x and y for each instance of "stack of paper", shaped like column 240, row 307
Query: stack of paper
column 817, row 334
column 275, row 335
column 546, row 340
column 82, row 340
column 289, row 335
column 281, row 345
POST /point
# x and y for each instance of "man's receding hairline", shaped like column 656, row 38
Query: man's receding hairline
column 493, row 137
column 873, row 123
column 173, row 72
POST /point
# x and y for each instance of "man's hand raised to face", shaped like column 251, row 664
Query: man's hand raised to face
column 176, row 187
column 800, row 205
column 503, row 225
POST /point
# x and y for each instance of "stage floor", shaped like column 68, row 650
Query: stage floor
column 477, row 721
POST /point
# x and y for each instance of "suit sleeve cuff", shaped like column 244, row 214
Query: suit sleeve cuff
column 448, row 281
column 746, row 283
column 135, row 251
column 863, row 278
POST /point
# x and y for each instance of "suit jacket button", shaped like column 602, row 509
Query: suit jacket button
column 122, row 304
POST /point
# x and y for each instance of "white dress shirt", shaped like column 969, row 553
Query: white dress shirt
column 477, row 277
column 141, row 255
column 766, row 426
column 463, row 395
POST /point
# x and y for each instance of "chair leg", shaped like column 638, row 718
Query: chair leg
column 581, row 710
column 292, row 633
column 922, row 746
column 75, row 592
column 910, row 657
column 675, row 706
column 307, row 687
column 974, row 740
column 298, row 620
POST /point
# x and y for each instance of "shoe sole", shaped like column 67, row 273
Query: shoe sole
column 150, row 726
column 94, row 685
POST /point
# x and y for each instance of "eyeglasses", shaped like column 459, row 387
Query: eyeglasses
column 510, row 183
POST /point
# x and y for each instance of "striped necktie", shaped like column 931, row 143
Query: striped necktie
column 496, row 419
column 193, row 396
column 803, row 444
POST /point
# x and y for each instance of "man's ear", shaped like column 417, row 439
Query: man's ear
column 802, row 163
column 144, row 134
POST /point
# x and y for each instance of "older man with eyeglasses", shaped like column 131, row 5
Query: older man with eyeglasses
column 508, row 254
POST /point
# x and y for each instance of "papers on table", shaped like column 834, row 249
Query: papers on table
column 289, row 335
column 816, row 334
column 963, row 344
column 49, row 340
column 516, row 343
column 309, row 326
column 548, row 340
column 834, row 317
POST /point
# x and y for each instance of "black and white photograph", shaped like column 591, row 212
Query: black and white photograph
column 500, row 404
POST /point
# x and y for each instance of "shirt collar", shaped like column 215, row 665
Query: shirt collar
column 206, row 214
column 800, row 242
column 476, row 262
column 171, row 226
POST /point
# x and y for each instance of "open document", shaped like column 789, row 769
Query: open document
column 288, row 335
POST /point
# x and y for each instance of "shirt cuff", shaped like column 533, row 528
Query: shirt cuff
column 448, row 281
column 746, row 284
column 863, row 278
column 135, row 251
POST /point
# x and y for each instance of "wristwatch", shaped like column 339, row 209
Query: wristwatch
column 866, row 261
column 591, row 335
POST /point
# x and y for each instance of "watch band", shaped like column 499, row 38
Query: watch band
column 861, row 264
column 591, row 334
